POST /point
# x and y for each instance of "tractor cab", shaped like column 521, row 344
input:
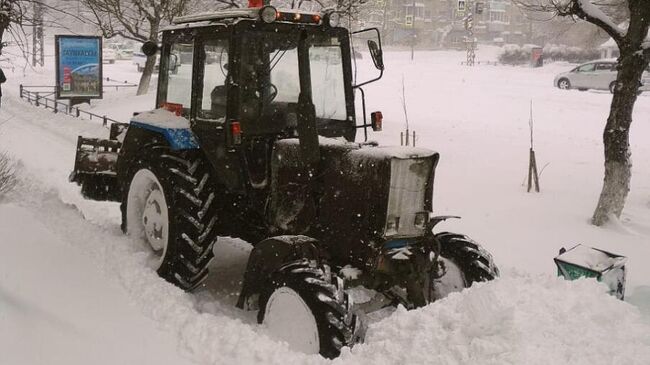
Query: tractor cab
column 245, row 78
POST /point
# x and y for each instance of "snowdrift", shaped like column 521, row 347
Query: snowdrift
column 64, row 255
column 518, row 319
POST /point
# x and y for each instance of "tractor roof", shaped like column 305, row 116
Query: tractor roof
column 218, row 15
column 233, row 15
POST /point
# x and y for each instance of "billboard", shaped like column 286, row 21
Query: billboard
column 78, row 67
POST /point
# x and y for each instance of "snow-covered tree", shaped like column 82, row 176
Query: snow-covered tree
column 11, row 15
column 138, row 20
column 631, row 36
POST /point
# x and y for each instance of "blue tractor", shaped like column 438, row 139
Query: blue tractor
column 254, row 137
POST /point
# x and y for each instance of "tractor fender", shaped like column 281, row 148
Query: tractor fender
column 155, row 128
column 177, row 138
column 268, row 256
column 434, row 220
column 175, row 129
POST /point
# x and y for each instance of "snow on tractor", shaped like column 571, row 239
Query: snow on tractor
column 253, row 137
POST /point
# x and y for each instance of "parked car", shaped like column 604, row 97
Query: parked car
column 597, row 75
column 139, row 59
column 124, row 54
column 108, row 55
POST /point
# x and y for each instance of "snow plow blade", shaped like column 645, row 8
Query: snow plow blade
column 95, row 166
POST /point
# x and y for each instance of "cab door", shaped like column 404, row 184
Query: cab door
column 214, row 107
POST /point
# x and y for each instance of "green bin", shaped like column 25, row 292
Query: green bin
column 586, row 262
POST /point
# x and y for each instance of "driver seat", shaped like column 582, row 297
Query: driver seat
column 219, row 101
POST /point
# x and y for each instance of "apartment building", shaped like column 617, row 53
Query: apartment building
column 442, row 22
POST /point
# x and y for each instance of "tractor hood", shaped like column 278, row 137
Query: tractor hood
column 363, row 193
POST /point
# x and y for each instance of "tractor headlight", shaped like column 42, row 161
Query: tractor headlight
column 421, row 219
column 392, row 226
column 333, row 19
column 268, row 14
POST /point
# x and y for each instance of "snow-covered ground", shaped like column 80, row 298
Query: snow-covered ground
column 74, row 290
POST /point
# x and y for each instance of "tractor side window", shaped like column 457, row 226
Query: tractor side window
column 327, row 83
column 215, row 75
column 179, row 74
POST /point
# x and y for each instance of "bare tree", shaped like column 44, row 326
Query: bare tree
column 12, row 17
column 634, row 45
column 138, row 20
column 17, row 16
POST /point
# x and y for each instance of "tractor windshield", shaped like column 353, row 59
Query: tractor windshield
column 270, row 76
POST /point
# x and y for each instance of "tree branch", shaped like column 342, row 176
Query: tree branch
column 582, row 9
column 587, row 11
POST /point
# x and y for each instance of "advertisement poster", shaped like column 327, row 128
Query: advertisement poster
column 78, row 67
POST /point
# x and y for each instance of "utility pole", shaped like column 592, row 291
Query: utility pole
column 469, row 27
column 385, row 23
column 38, row 58
column 413, row 36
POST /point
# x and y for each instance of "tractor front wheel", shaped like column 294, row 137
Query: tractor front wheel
column 305, row 305
column 463, row 262
column 170, row 207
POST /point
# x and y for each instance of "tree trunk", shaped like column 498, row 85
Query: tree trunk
column 616, row 138
column 150, row 65
column 4, row 24
column 145, row 79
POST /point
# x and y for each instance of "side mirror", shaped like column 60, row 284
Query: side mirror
column 376, row 54
column 372, row 39
column 150, row 48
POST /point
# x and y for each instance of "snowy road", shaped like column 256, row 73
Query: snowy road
column 56, row 304
column 74, row 289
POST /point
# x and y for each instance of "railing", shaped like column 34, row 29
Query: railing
column 46, row 99
column 118, row 84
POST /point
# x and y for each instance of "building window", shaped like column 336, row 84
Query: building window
column 498, row 16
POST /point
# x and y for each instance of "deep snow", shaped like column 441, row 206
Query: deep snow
column 477, row 118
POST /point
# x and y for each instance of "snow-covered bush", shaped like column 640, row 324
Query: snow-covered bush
column 512, row 54
column 554, row 52
column 7, row 173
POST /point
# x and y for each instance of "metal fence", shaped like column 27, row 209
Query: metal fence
column 43, row 96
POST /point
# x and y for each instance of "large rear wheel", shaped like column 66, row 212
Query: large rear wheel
column 305, row 306
column 170, row 207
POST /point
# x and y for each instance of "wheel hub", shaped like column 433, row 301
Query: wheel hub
column 288, row 318
column 153, row 220
column 452, row 281
column 147, row 216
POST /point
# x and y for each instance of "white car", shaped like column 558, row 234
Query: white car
column 108, row 55
column 597, row 75
column 124, row 54
column 139, row 59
